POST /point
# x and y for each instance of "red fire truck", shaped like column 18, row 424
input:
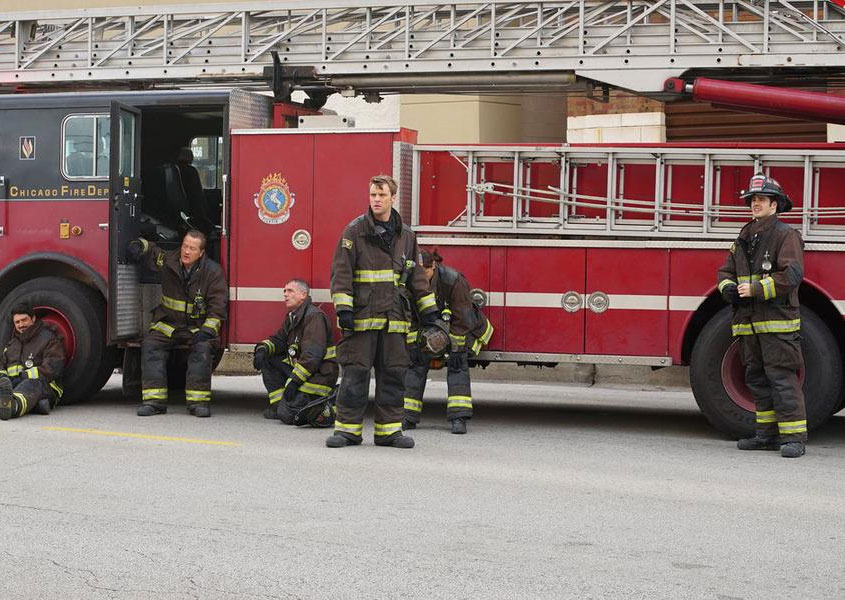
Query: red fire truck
column 594, row 254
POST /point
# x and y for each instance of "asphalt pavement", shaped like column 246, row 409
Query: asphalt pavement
column 556, row 492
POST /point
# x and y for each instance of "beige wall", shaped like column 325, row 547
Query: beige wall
column 453, row 119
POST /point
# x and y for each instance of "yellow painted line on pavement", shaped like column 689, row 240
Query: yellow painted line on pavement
column 142, row 436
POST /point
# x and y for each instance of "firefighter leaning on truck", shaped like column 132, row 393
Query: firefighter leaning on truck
column 298, row 362
column 376, row 277
column 30, row 366
column 760, row 278
column 468, row 331
column 193, row 307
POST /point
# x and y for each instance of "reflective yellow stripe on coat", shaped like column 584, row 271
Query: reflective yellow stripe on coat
column 775, row 326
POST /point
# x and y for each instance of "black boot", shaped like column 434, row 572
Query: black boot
column 148, row 410
column 758, row 443
column 200, row 410
column 792, row 449
column 9, row 405
column 270, row 412
column 43, row 407
column 408, row 424
column 338, row 440
column 459, row 425
column 397, row 440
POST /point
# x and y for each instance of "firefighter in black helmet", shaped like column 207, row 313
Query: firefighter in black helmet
column 468, row 331
column 760, row 278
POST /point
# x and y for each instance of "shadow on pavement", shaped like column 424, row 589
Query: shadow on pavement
column 612, row 417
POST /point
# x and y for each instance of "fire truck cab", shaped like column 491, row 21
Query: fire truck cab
column 596, row 254
column 81, row 174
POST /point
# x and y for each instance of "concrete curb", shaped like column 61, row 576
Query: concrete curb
column 240, row 363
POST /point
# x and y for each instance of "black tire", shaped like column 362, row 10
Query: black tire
column 85, row 312
column 822, row 377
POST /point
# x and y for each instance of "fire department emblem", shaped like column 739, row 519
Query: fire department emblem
column 274, row 200
column 26, row 150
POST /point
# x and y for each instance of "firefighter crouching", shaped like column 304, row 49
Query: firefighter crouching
column 760, row 278
column 298, row 362
column 468, row 331
column 193, row 306
column 30, row 367
column 375, row 278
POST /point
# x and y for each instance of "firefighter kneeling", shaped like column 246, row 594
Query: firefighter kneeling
column 760, row 278
column 462, row 330
column 193, row 306
column 31, row 364
column 298, row 363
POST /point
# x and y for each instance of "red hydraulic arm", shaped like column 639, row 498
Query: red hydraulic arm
column 797, row 104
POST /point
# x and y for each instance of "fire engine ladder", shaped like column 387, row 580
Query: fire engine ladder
column 679, row 192
column 418, row 45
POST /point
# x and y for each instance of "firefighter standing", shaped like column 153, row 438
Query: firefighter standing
column 30, row 367
column 469, row 330
column 192, row 309
column 760, row 278
column 298, row 362
column 375, row 278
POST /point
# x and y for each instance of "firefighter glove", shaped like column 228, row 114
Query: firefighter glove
column 429, row 318
column 135, row 250
column 203, row 335
column 290, row 390
column 345, row 320
column 259, row 361
column 731, row 294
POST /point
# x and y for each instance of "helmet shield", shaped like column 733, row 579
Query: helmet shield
column 761, row 185
column 434, row 339
column 320, row 412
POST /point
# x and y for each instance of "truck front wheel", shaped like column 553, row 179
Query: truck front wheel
column 717, row 376
column 79, row 313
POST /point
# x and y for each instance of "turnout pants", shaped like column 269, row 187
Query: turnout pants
column 275, row 375
column 357, row 354
column 28, row 392
column 155, row 350
column 459, row 402
column 772, row 361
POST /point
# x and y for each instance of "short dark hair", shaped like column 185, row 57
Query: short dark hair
column 385, row 180
column 196, row 233
column 429, row 257
column 22, row 308
column 302, row 285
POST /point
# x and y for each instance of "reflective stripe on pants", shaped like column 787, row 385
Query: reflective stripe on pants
column 357, row 353
column 459, row 401
column 771, row 364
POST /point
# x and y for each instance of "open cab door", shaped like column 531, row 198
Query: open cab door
column 124, row 222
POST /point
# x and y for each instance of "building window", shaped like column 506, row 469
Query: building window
column 85, row 147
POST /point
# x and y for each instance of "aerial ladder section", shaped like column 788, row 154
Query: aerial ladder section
column 385, row 46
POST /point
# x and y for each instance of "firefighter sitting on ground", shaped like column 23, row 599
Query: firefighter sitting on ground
column 193, row 306
column 468, row 331
column 31, row 365
column 760, row 278
column 298, row 362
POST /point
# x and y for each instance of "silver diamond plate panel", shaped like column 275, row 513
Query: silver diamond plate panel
column 403, row 173
column 127, row 309
column 248, row 110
